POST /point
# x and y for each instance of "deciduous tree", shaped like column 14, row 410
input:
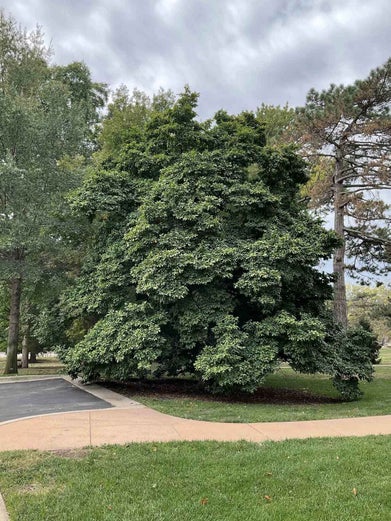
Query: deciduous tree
column 204, row 261
column 47, row 113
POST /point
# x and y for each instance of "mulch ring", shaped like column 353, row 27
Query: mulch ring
column 171, row 388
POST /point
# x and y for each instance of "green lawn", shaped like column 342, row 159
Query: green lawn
column 385, row 355
column 307, row 480
column 44, row 366
column 376, row 401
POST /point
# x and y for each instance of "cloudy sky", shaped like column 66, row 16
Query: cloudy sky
column 236, row 53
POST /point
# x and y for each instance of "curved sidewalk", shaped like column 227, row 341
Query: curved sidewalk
column 137, row 423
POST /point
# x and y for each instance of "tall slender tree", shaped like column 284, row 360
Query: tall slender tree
column 346, row 132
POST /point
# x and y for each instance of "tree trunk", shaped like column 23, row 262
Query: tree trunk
column 25, row 350
column 11, row 365
column 340, row 305
column 26, row 342
column 33, row 357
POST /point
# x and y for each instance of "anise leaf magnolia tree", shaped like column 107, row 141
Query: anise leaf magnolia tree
column 203, row 261
column 47, row 114
column 346, row 132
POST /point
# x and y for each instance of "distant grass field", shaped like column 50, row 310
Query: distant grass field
column 44, row 366
column 385, row 355
column 308, row 480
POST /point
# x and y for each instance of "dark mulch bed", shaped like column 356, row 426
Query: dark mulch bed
column 183, row 389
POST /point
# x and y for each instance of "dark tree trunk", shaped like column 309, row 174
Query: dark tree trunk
column 340, row 305
column 33, row 357
column 11, row 365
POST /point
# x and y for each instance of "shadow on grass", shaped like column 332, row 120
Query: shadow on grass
column 172, row 388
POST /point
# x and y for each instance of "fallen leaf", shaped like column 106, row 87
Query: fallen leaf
column 269, row 474
column 204, row 501
column 268, row 498
column 354, row 491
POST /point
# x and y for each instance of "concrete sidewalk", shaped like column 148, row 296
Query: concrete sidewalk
column 140, row 424
column 129, row 421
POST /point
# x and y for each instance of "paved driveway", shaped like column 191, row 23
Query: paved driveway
column 21, row 399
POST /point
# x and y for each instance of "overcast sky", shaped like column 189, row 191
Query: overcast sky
column 236, row 53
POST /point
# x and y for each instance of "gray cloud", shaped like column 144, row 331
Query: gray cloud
column 237, row 54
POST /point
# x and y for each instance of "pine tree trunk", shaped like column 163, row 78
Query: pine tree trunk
column 340, row 305
column 11, row 365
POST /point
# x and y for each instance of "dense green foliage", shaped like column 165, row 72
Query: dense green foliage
column 47, row 127
column 202, row 259
column 277, row 121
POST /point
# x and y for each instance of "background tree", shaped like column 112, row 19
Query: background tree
column 371, row 305
column 203, row 261
column 127, row 115
column 277, row 122
column 4, row 315
column 347, row 132
column 46, row 115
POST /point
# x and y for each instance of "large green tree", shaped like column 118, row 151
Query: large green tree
column 203, row 260
column 345, row 132
column 47, row 117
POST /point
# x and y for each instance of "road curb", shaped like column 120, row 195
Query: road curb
column 107, row 395
column 3, row 511
column 28, row 378
column 115, row 399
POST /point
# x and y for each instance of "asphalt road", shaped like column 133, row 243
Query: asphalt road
column 21, row 399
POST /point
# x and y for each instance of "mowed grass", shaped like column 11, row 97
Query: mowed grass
column 375, row 401
column 44, row 366
column 307, row 480
column 385, row 356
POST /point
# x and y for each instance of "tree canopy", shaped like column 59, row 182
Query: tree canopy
column 203, row 261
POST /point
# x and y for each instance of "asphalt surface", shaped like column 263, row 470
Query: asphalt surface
column 22, row 399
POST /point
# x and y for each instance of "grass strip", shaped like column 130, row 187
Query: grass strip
column 323, row 480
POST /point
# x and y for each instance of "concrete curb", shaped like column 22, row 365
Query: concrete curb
column 115, row 399
column 28, row 378
column 128, row 421
column 3, row 511
column 49, row 414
